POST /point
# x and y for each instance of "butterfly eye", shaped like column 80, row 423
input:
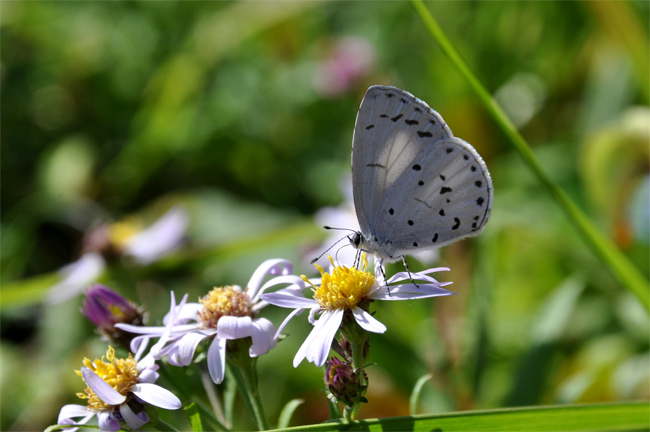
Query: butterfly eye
column 356, row 240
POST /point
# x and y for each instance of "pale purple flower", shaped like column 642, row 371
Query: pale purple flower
column 224, row 314
column 345, row 289
column 351, row 59
column 131, row 386
column 160, row 239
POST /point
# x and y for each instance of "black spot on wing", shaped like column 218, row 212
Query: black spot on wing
column 433, row 122
column 444, row 190
column 410, row 222
column 449, row 150
column 443, row 178
column 457, row 224
column 465, row 157
column 391, row 211
column 375, row 165
column 370, row 127
column 473, row 168
column 397, row 117
column 435, row 238
column 480, row 201
column 478, row 183
column 383, row 116
column 441, row 212
column 418, row 109
column 411, row 122
column 390, row 95
column 416, row 167
column 404, row 100
column 420, row 183
column 423, row 134
column 415, row 244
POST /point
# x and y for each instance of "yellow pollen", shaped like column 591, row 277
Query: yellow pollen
column 120, row 232
column 229, row 300
column 120, row 374
column 344, row 288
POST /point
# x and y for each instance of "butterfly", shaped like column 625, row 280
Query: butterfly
column 415, row 186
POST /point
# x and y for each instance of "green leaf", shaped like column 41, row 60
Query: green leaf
column 604, row 248
column 287, row 412
column 417, row 390
column 193, row 416
column 611, row 417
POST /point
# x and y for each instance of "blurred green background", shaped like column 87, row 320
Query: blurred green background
column 243, row 113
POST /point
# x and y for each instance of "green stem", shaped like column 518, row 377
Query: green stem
column 617, row 262
column 246, row 378
column 357, row 363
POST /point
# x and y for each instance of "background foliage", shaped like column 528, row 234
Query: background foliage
column 110, row 109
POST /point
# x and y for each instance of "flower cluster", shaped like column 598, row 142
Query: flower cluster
column 227, row 317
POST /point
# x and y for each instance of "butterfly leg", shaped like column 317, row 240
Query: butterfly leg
column 409, row 271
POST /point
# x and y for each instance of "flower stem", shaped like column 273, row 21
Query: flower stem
column 628, row 275
column 246, row 378
column 358, row 360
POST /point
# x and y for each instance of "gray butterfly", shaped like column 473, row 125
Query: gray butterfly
column 415, row 185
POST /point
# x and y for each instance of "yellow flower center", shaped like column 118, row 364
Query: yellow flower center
column 345, row 288
column 229, row 300
column 120, row 232
column 120, row 374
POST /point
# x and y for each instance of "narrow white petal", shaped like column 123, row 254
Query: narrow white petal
column 286, row 321
column 230, row 327
column 187, row 345
column 76, row 276
column 367, row 321
column 295, row 283
column 101, row 388
column 71, row 411
column 273, row 267
column 143, row 330
column 263, row 337
column 182, row 314
column 408, row 291
column 155, row 395
column 317, row 345
column 289, row 299
column 132, row 419
column 217, row 359
column 155, row 350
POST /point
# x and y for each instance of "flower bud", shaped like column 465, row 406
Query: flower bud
column 343, row 383
column 105, row 308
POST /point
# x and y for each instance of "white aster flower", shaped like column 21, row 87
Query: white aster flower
column 225, row 313
column 117, row 391
column 349, row 290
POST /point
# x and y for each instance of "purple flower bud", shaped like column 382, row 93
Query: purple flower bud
column 105, row 308
column 343, row 383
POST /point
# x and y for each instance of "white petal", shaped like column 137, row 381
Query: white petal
column 263, row 337
column 187, row 345
column 155, row 395
column 155, row 350
column 217, row 359
column 367, row 321
column 143, row 330
column 161, row 238
column 71, row 411
column 107, row 421
column 132, row 419
column 295, row 283
column 77, row 276
column 230, row 327
column 289, row 299
column 272, row 267
column 317, row 345
column 286, row 321
column 408, row 291
column 182, row 314
column 102, row 389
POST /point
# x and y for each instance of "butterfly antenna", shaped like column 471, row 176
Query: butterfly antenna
column 327, row 250
column 327, row 227
column 409, row 271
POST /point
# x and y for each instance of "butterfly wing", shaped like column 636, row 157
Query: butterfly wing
column 445, row 197
column 393, row 127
